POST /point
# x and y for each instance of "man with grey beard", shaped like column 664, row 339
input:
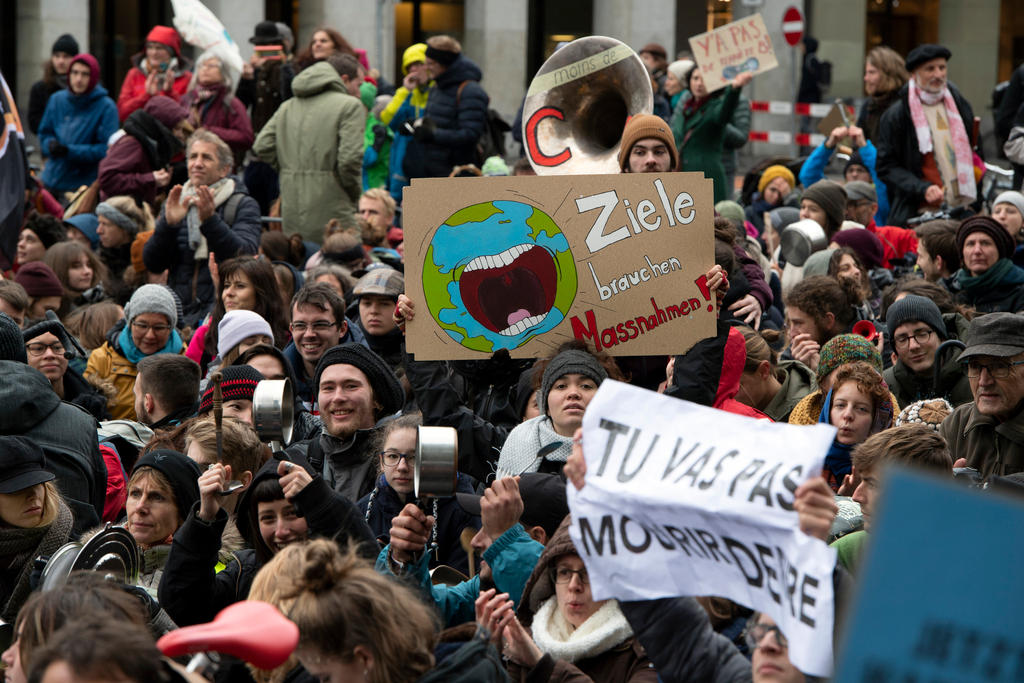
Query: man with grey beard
column 925, row 140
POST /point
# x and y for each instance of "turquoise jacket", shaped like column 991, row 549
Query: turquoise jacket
column 512, row 557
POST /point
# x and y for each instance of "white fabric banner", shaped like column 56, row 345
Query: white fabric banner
column 681, row 499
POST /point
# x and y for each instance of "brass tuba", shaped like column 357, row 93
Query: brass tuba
column 578, row 104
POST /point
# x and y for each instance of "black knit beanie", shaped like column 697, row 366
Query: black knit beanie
column 181, row 471
column 915, row 308
column 989, row 226
column 66, row 44
column 569, row 362
column 831, row 197
column 12, row 345
column 386, row 388
column 54, row 326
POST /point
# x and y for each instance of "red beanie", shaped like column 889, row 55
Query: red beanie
column 167, row 36
column 94, row 69
column 39, row 280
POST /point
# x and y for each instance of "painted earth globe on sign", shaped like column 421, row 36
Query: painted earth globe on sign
column 498, row 274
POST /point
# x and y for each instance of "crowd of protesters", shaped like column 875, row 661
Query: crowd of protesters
column 213, row 229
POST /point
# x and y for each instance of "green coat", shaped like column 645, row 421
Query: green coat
column 315, row 141
column 699, row 136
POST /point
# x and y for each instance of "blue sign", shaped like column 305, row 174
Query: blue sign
column 941, row 587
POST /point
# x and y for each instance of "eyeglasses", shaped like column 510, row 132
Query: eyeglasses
column 997, row 369
column 39, row 348
column 318, row 326
column 564, row 575
column 391, row 458
column 157, row 329
column 756, row 633
column 921, row 336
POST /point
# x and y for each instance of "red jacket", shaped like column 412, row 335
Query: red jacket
column 117, row 487
column 734, row 358
column 896, row 242
column 133, row 91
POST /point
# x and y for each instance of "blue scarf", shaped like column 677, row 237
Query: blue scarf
column 131, row 351
column 838, row 459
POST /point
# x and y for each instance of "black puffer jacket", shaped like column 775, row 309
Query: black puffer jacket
column 899, row 159
column 459, row 118
column 66, row 433
column 193, row 592
column 190, row 279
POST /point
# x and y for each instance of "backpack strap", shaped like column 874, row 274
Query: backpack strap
column 231, row 207
column 458, row 93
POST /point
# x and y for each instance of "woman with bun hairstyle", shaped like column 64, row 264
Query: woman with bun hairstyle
column 771, row 385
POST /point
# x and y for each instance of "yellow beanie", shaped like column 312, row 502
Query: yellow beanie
column 773, row 172
column 413, row 53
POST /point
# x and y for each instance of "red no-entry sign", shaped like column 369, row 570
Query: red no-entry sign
column 793, row 25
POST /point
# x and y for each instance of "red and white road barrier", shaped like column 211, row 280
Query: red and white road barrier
column 779, row 137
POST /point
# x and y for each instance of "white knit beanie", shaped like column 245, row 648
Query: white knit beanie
column 237, row 326
column 152, row 299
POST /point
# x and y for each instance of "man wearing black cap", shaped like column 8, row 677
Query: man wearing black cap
column 355, row 389
column 925, row 140
column 988, row 434
column 67, row 434
column 267, row 79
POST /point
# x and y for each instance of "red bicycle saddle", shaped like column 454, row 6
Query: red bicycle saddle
column 253, row 631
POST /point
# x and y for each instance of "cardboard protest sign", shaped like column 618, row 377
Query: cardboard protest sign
column 742, row 45
column 939, row 594
column 682, row 499
column 527, row 263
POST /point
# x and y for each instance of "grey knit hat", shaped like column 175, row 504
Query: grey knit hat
column 831, row 197
column 152, row 299
column 12, row 345
column 386, row 388
column 915, row 308
column 569, row 362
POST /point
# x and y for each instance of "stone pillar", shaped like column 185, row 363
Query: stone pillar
column 495, row 38
column 970, row 30
column 638, row 22
column 365, row 24
column 40, row 23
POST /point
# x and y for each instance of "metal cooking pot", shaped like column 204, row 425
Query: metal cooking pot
column 273, row 410
column 801, row 239
column 437, row 462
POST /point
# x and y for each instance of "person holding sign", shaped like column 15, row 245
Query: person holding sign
column 572, row 636
column 699, row 122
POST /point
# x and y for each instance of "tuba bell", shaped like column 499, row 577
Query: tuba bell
column 578, row 104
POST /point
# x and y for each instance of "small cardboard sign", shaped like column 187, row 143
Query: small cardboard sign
column 937, row 586
column 722, row 54
column 526, row 263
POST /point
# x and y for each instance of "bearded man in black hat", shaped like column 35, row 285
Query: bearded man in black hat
column 925, row 140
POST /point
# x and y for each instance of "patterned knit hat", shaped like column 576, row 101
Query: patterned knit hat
column 239, row 384
column 929, row 412
column 847, row 348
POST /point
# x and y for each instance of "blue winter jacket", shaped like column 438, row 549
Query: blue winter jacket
column 813, row 170
column 512, row 557
column 460, row 118
column 82, row 123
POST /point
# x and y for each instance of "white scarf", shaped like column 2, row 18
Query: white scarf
column 519, row 453
column 606, row 628
column 957, row 131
